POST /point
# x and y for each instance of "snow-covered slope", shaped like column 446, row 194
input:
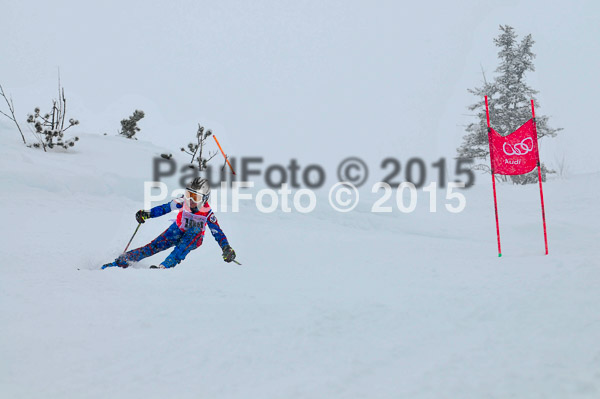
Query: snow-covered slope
column 326, row 305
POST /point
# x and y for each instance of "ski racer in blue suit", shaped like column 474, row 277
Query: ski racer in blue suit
column 185, row 234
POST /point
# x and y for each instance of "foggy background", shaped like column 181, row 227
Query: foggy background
column 312, row 80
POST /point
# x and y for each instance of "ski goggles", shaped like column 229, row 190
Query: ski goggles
column 195, row 197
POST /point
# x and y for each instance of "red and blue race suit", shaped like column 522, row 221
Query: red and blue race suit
column 185, row 234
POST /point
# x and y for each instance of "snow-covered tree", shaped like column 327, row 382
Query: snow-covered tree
column 509, row 99
column 49, row 128
column 129, row 126
column 196, row 149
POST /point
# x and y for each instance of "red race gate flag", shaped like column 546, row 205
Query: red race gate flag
column 515, row 154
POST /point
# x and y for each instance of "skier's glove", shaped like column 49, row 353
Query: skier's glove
column 141, row 216
column 228, row 254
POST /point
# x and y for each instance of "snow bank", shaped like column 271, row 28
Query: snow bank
column 326, row 304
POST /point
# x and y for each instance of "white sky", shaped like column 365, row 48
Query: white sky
column 316, row 80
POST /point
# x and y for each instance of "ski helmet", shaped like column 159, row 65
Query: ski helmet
column 199, row 190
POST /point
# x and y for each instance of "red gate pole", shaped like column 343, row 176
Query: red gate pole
column 487, row 114
column 540, row 179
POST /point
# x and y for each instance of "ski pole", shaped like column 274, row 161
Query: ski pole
column 136, row 229
column 237, row 262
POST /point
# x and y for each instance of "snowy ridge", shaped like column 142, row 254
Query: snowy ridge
column 326, row 305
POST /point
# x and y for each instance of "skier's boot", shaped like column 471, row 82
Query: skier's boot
column 157, row 267
column 116, row 263
column 113, row 264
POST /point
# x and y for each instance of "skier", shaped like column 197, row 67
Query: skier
column 185, row 234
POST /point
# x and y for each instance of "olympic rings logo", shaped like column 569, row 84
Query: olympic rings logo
column 521, row 148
